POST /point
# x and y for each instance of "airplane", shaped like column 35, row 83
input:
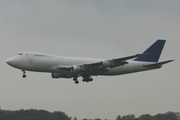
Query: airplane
column 74, row 67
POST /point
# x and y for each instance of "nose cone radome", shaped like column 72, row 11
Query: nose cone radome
column 9, row 61
column 14, row 62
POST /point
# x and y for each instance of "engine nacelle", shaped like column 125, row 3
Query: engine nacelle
column 75, row 68
column 57, row 75
column 105, row 64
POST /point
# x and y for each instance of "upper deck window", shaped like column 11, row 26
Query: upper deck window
column 20, row 54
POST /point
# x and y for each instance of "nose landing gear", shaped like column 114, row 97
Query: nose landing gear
column 24, row 74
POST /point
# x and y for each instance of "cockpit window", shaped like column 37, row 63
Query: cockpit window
column 20, row 54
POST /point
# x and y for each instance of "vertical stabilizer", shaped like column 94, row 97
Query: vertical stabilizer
column 153, row 53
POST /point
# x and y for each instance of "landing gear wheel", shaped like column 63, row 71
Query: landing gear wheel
column 90, row 79
column 76, row 82
column 24, row 76
column 83, row 80
column 87, row 79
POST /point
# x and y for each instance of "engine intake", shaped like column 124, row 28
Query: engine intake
column 105, row 64
column 75, row 68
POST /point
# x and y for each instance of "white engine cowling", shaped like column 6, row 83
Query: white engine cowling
column 75, row 68
column 105, row 64
column 55, row 75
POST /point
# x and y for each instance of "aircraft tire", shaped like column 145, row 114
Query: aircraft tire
column 76, row 82
column 24, row 76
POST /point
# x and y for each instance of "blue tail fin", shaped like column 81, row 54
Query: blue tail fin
column 153, row 53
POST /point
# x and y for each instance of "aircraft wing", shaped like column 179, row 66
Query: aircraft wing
column 110, row 63
column 98, row 66
column 121, row 61
column 127, row 58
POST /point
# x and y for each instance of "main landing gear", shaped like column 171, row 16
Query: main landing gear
column 24, row 74
column 75, row 80
column 87, row 79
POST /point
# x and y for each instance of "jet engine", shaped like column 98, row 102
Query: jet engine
column 105, row 64
column 57, row 75
column 75, row 68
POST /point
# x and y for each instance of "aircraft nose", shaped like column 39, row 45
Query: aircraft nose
column 14, row 62
column 9, row 61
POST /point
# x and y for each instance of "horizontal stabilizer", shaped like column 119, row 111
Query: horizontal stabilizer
column 159, row 64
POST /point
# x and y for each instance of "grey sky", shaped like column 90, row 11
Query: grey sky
column 96, row 29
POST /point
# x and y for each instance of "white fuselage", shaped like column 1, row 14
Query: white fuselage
column 40, row 62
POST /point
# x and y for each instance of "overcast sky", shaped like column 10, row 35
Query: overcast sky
column 95, row 29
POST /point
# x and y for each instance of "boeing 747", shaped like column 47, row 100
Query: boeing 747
column 73, row 67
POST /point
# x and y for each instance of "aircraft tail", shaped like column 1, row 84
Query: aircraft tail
column 153, row 53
